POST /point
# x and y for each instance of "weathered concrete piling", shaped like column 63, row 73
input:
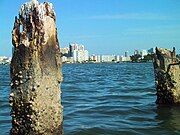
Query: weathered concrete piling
column 167, row 76
column 36, row 72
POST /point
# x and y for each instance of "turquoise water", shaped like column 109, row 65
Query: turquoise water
column 105, row 99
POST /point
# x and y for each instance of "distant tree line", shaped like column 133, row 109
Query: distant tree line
column 139, row 58
column 178, row 56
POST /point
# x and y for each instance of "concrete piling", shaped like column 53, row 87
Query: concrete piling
column 36, row 72
column 167, row 76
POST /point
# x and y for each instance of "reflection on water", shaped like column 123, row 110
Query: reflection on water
column 169, row 118
column 105, row 99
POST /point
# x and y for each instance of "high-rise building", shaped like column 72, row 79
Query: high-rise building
column 81, row 47
column 80, row 56
column 95, row 58
column 125, row 59
column 78, row 53
column 5, row 60
column 107, row 58
column 86, row 55
column 126, row 54
column 64, row 59
column 72, row 47
column 117, row 58
column 98, row 58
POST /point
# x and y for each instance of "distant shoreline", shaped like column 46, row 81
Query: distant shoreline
column 94, row 63
column 107, row 62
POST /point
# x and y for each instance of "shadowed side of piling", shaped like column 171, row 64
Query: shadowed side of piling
column 36, row 72
column 167, row 76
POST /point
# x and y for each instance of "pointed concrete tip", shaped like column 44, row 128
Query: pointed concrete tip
column 34, row 1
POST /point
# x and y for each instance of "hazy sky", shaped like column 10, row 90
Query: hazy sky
column 105, row 26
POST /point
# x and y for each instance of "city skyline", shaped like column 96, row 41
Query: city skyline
column 77, row 53
column 105, row 26
column 129, row 52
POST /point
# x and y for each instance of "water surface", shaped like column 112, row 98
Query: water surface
column 105, row 99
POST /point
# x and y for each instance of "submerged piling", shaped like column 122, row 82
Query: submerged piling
column 36, row 72
column 167, row 76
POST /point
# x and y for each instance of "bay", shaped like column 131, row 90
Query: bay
column 105, row 99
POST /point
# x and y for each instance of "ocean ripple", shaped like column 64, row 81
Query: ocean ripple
column 105, row 99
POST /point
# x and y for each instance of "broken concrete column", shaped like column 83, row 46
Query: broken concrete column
column 36, row 72
column 167, row 76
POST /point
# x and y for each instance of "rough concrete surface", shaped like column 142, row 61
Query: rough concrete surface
column 36, row 72
column 167, row 76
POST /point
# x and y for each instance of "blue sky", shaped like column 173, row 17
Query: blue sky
column 105, row 26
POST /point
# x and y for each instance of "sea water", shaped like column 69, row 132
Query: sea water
column 105, row 99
